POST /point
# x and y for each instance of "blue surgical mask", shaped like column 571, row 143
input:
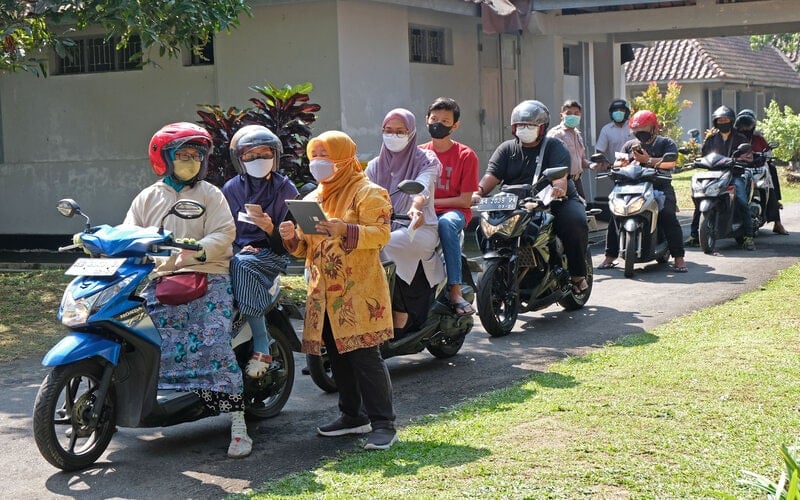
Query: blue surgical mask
column 618, row 116
column 572, row 121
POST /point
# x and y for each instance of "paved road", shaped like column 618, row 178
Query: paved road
column 188, row 461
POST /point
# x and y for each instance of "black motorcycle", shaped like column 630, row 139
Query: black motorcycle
column 524, row 265
column 442, row 334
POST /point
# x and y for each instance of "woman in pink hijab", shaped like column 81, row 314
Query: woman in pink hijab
column 413, row 244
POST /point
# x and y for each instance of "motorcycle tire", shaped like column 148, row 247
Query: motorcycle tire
column 266, row 396
column 573, row 301
column 447, row 348
column 498, row 297
column 319, row 367
column 630, row 253
column 708, row 232
column 61, row 413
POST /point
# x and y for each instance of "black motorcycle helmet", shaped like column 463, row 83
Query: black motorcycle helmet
column 745, row 120
column 722, row 112
column 619, row 105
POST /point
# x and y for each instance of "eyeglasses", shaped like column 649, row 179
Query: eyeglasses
column 249, row 156
column 396, row 133
column 186, row 156
column 528, row 126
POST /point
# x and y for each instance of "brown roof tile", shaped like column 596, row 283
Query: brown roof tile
column 727, row 59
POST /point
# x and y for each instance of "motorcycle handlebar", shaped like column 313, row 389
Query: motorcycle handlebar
column 180, row 246
column 68, row 247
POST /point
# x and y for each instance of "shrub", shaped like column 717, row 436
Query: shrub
column 666, row 106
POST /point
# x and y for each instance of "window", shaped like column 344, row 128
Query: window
column 97, row 55
column 204, row 58
column 428, row 45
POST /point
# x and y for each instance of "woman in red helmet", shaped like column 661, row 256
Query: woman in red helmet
column 648, row 148
column 196, row 353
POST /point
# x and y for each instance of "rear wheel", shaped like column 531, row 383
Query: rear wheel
column 448, row 347
column 319, row 367
column 573, row 301
column 498, row 297
column 630, row 253
column 708, row 232
column 266, row 396
column 62, row 413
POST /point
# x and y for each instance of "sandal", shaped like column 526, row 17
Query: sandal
column 258, row 365
column 607, row 265
column 462, row 308
column 680, row 269
column 579, row 286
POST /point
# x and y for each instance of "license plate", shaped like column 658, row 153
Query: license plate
column 497, row 202
column 94, row 267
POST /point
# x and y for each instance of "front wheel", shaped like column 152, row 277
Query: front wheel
column 265, row 397
column 319, row 367
column 62, row 412
column 708, row 231
column 630, row 253
column 498, row 297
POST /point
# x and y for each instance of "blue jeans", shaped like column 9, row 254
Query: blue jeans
column 451, row 224
column 742, row 206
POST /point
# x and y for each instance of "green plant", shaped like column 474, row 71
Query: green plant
column 788, row 485
column 666, row 106
column 285, row 111
column 782, row 126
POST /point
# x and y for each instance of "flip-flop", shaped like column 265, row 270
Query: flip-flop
column 463, row 308
column 680, row 269
column 612, row 265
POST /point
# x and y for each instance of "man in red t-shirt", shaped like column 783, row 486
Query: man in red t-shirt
column 453, row 197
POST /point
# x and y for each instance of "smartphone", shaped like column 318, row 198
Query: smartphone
column 253, row 209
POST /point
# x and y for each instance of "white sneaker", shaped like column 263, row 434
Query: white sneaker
column 241, row 444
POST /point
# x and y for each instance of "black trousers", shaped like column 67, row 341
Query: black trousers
column 667, row 220
column 414, row 298
column 365, row 389
column 572, row 228
column 773, row 206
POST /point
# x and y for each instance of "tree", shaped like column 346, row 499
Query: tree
column 29, row 28
column 782, row 126
column 666, row 106
column 785, row 42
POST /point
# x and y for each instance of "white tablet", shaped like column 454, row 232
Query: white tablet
column 307, row 214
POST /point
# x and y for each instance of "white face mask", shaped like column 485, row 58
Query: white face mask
column 321, row 169
column 395, row 143
column 259, row 168
column 528, row 135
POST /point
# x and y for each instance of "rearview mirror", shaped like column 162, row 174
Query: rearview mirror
column 410, row 186
column 183, row 209
column 68, row 207
column 556, row 172
column 669, row 158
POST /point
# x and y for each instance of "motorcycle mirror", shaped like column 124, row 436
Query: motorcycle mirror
column 307, row 188
column 598, row 158
column 69, row 208
column 669, row 158
column 556, row 173
column 183, row 209
column 409, row 186
column 773, row 144
column 742, row 149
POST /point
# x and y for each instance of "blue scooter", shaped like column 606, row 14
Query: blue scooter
column 105, row 370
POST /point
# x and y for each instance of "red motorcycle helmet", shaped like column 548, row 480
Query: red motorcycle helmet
column 644, row 118
column 173, row 136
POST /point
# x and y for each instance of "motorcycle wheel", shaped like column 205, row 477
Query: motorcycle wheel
column 448, row 348
column 265, row 397
column 61, row 416
column 319, row 367
column 571, row 301
column 707, row 232
column 498, row 298
column 630, row 253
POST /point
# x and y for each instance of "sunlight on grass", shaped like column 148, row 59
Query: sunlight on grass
column 678, row 412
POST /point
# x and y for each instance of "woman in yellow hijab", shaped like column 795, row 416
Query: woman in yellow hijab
column 348, row 308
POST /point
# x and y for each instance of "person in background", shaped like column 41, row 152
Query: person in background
column 724, row 140
column 745, row 124
column 419, row 266
column 568, row 132
column 617, row 132
column 648, row 148
column 453, row 195
column 348, row 293
column 179, row 152
column 516, row 161
column 258, row 253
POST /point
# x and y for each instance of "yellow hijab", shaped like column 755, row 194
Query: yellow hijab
column 337, row 193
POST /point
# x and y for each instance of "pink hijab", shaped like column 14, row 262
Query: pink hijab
column 405, row 164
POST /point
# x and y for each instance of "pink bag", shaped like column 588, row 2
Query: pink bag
column 180, row 288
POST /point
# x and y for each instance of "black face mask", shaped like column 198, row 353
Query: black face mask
column 643, row 136
column 438, row 130
column 747, row 133
column 724, row 127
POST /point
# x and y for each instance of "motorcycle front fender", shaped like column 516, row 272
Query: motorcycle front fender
column 500, row 253
column 80, row 345
column 706, row 205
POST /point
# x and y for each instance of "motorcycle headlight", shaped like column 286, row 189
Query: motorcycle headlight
column 76, row 312
column 506, row 228
column 620, row 207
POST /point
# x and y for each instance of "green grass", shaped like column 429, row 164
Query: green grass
column 677, row 412
column 28, row 324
